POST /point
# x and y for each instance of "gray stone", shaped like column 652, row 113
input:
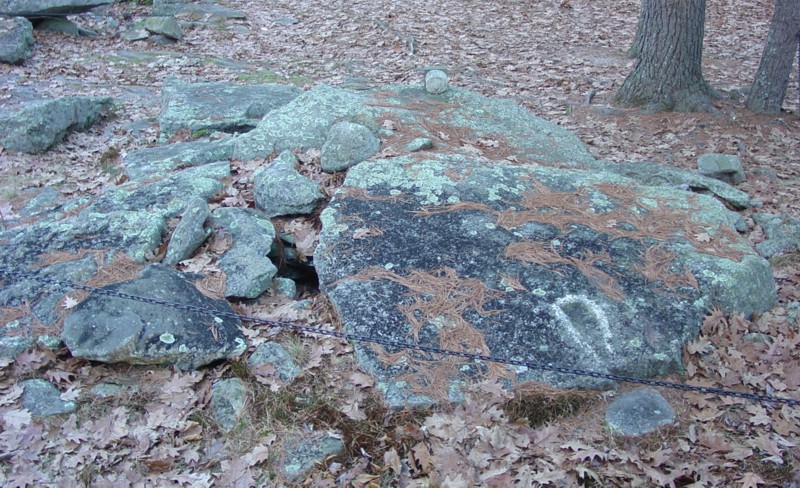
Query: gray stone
column 639, row 412
column 652, row 174
column 302, row 454
column 154, row 162
column 248, row 271
column 49, row 342
column 436, row 82
column 34, row 127
column 11, row 346
column 347, row 145
column 419, row 144
column 168, row 7
column 107, row 390
column 109, row 329
column 37, row 8
column 16, row 40
column 45, row 201
column 166, row 26
column 723, row 167
column 132, row 35
column 274, row 354
column 224, row 107
column 281, row 190
column 782, row 231
column 591, row 290
column 286, row 287
column 42, row 399
column 189, row 233
column 228, row 401
column 65, row 26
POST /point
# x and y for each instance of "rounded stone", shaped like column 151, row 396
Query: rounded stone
column 639, row 412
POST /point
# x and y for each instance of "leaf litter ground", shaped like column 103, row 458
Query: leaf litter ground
column 550, row 57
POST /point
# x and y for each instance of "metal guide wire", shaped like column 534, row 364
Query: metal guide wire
column 8, row 273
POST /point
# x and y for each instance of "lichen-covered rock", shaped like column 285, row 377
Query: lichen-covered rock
column 436, row 81
column 34, row 127
column 248, row 270
column 111, row 329
column 567, row 267
column 38, row 8
column 16, row 40
column 348, row 144
column 782, row 231
column 274, row 354
column 164, row 25
column 224, row 107
column 281, row 190
column 723, row 167
column 189, row 233
column 42, row 399
column 155, row 162
column 302, row 454
column 228, row 401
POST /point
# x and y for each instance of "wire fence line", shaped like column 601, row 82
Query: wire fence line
column 536, row 366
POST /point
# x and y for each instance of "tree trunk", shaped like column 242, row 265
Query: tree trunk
column 668, row 73
column 772, row 78
column 636, row 45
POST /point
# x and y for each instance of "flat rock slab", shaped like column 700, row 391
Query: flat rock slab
column 155, row 162
column 37, row 8
column 111, row 329
column 567, row 267
column 224, row 107
column 33, row 127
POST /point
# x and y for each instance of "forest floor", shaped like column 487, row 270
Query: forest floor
column 551, row 57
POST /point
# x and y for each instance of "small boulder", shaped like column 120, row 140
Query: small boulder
column 274, row 354
column 112, row 329
column 42, row 398
column 347, row 145
column 639, row 412
column 419, row 144
column 189, row 233
column 34, row 127
column 166, row 26
column 723, row 167
column 228, row 399
column 302, row 454
column 36, row 9
column 64, row 26
column 280, row 190
column 16, row 40
column 248, row 270
column 782, row 231
column 436, row 81
column 131, row 35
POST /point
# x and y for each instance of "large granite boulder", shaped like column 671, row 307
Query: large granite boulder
column 33, row 127
column 508, row 239
column 224, row 107
column 113, row 329
column 39, row 8
column 16, row 40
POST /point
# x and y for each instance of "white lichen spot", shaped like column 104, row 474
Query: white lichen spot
column 539, row 292
column 453, row 199
column 388, row 266
column 218, row 320
column 166, row 338
column 183, row 349
column 395, row 193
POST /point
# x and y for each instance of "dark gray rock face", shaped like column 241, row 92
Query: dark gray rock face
column 154, row 162
column 110, row 329
column 639, row 412
column 37, row 8
column 189, row 233
column 281, row 190
column 33, row 127
column 348, row 144
column 42, row 398
column 224, row 107
column 16, row 40
column 248, row 270
column 782, row 231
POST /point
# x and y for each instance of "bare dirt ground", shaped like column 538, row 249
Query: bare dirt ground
column 550, row 57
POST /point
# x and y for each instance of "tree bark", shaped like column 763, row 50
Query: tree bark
column 636, row 45
column 772, row 78
column 668, row 73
